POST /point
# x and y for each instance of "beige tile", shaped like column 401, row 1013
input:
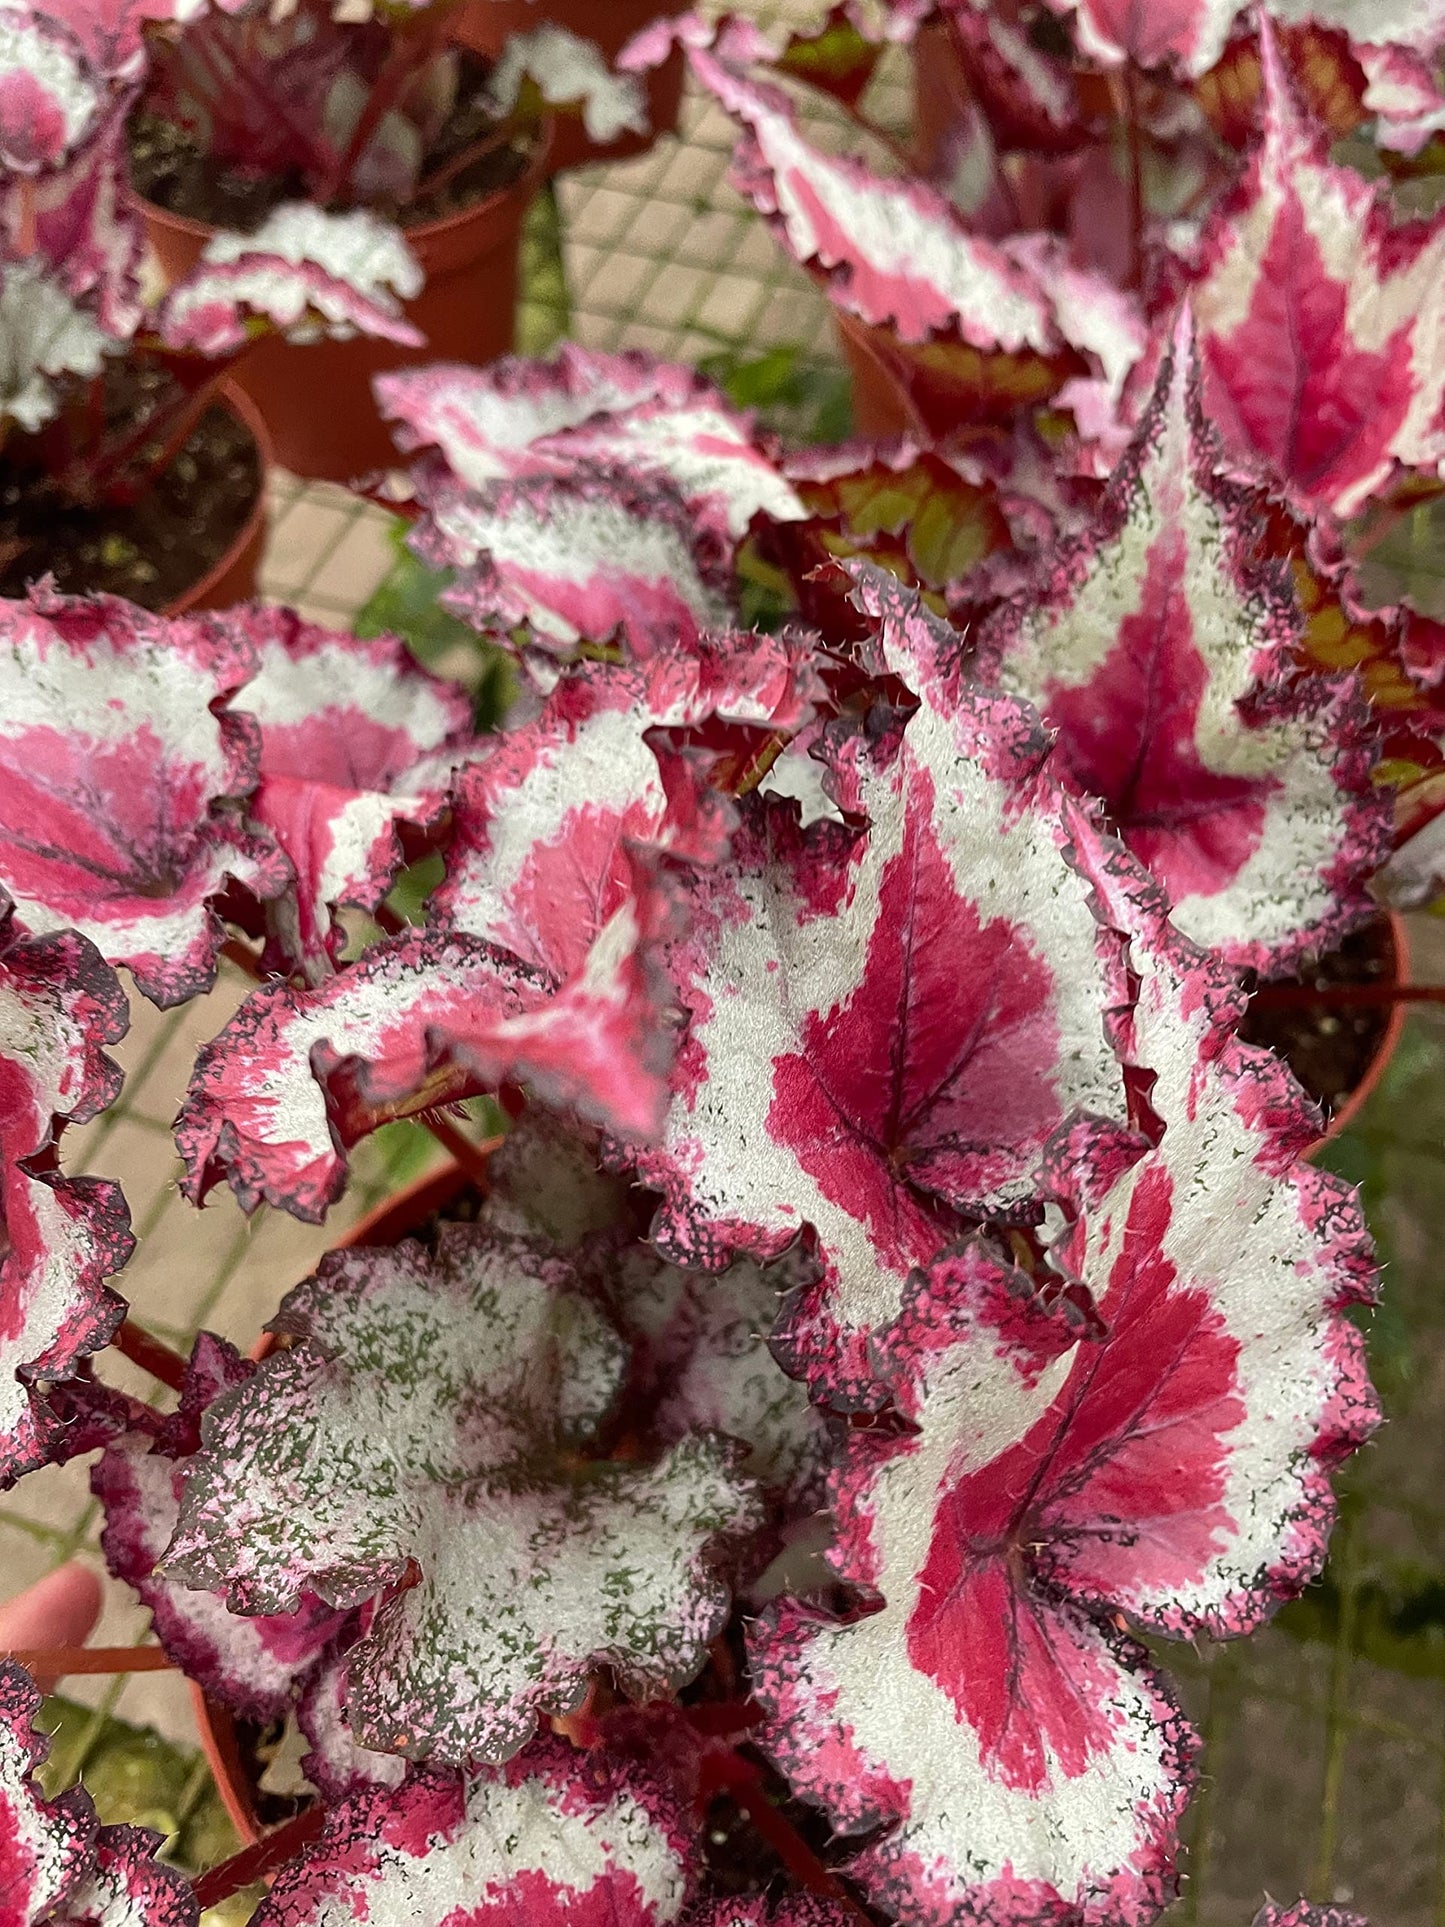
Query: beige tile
column 711, row 240
column 729, row 307
column 694, row 173
column 793, row 316
column 657, row 228
column 55, row 1496
column 300, row 541
column 674, row 296
column 619, row 282
column 760, row 253
column 600, row 216
column 357, row 564
column 327, row 615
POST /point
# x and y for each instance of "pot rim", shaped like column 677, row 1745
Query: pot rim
column 252, row 530
column 526, row 181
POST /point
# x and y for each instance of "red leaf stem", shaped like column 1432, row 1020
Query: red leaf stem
column 132, row 1341
column 255, row 1862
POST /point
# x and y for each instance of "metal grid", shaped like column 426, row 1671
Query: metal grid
column 1324, row 1760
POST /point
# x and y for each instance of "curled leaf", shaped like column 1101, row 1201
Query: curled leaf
column 569, row 71
column 1319, row 317
column 555, row 1835
column 120, row 761
column 45, row 1845
column 431, row 1417
column 1169, row 1464
column 356, row 740
column 44, row 334
column 885, row 1029
column 62, row 1237
column 252, row 1665
column 1164, row 652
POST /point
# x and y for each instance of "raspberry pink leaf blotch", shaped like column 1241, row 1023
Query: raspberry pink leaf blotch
column 63, row 1237
column 1320, row 318
column 356, row 741
column 546, row 819
column 122, row 765
column 430, row 1418
column 299, row 1076
column 555, row 1835
column 883, row 1029
column 1164, row 653
column 127, row 1886
column 45, row 1846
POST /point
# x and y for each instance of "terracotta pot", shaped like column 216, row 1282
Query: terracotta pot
column 1360, row 1095
column 387, row 1224
column 484, row 25
column 317, row 401
column 232, row 578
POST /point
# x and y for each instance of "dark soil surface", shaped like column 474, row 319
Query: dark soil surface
column 1330, row 1047
column 151, row 550
column 171, row 168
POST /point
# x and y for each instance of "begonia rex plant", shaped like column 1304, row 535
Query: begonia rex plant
column 105, row 379
column 899, row 1293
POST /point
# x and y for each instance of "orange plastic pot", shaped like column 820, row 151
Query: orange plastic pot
column 232, row 578
column 317, row 401
column 484, row 26
column 387, row 1224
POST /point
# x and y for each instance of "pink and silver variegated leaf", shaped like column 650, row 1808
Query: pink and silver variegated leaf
column 582, row 561
column 1226, row 1252
column 356, row 740
column 430, row 1418
column 1186, row 35
column 569, row 71
column 794, row 1910
column 1320, row 319
column 120, row 762
column 581, row 410
column 1415, row 24
column 312, row 275
column 45, row 334
column 297, row 1077
column 1164, row 653
column 90, row 231
column 1404, row 96
column 45, row 1846
column 251, row 1665
column 1022, row 1758
column 545, row 824
column 883, row 1027
column 701, row 1363
column 544, row 1180
column 63, row 1237
column 1304, row 1913
column 126, row 1886
column 49, row 95
column 892, row 252
column 110, row 32
column 336, row 1765
column 555, row 1836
